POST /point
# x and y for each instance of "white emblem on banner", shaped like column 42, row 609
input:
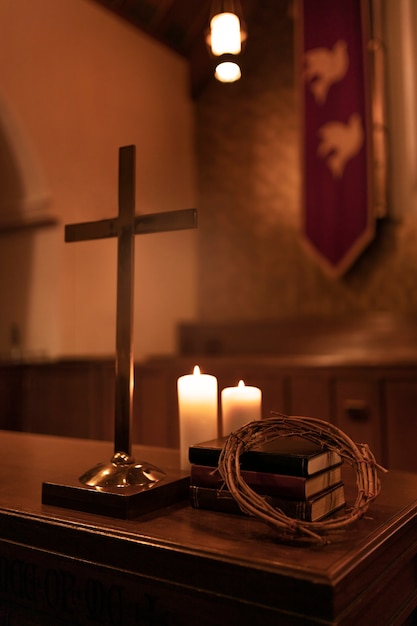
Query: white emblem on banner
column 340, row 142
column 325, row 66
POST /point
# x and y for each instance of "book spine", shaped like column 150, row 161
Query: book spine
column 261, row 482
column 214, row 500
column 252, row 461
column 222, row 501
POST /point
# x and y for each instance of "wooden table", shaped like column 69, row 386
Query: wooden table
column 180, row 566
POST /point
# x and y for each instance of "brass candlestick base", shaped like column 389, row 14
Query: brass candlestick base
column 122, row 471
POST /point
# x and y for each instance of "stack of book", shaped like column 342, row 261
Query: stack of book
column 294, row 475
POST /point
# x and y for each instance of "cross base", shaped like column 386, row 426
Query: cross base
column 122, row 471
column 123, row 489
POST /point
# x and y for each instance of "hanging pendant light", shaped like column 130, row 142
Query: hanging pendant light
column 227, row 32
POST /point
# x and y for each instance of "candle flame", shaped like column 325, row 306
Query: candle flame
column 196, row 371
column 241, row 383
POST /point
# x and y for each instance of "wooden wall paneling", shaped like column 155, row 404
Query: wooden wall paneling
column 310, row 395
column 11, row 397
column 102, row 399
column 373, row 404
column 59, row 399
column 358, row 410
column 155, row 414
column 400, row 402
column 273, row 393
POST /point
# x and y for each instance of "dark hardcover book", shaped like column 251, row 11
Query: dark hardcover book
column 295, row 487
column 287, row 455
column 311, row 510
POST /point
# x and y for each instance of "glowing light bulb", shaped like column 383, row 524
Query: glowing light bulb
column 225, row 34
column 227, row 72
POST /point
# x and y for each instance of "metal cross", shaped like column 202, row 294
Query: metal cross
column 125, row 226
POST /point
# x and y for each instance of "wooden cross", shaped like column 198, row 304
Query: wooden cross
column 125, row 226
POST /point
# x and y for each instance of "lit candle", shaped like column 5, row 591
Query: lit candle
column 197, row 404
column 240, row 405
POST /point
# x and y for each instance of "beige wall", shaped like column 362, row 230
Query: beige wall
column 76, row 83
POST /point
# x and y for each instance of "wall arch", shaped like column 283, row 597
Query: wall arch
column 24, row 195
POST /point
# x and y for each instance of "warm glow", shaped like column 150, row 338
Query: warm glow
column 240, row 405
column 227, row 72
column 197, row 407
column 225, row 34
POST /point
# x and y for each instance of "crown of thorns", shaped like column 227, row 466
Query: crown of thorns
column 327, row 435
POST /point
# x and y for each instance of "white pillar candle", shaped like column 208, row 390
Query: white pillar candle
column 197, row 404
column 240, row 405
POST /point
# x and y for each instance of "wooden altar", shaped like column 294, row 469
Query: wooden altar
column 179, row 566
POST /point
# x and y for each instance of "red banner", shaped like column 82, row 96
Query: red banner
column 337, row 169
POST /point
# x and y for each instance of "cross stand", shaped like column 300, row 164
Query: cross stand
column 115, row 487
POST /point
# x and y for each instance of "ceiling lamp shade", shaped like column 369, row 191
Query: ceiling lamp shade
column 225, row 40
column 225, row 34
column 227, row 72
